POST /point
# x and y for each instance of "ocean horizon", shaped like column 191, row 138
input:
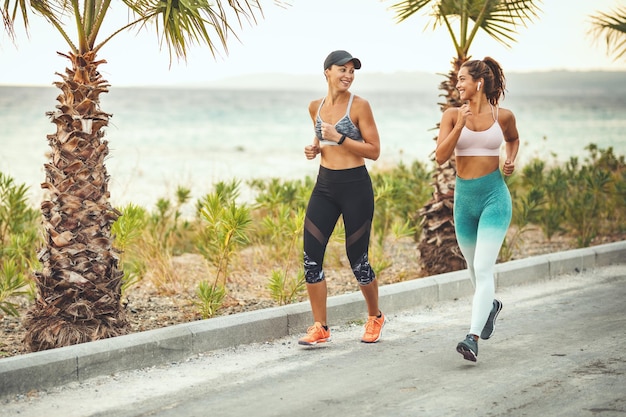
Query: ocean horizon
column 165, row 137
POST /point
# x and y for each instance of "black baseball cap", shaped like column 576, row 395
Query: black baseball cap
column 341, row 58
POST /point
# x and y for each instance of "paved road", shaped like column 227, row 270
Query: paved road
column 559, row 350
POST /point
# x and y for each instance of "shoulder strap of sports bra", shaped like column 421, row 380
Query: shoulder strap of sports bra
column 320, row 107
column 349, row 104
column 495, row 116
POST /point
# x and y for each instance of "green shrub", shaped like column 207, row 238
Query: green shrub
column 128, row 231
column 19, row 238
column 12, row 284
column 582, row 198
column 286, row 289
column 225, row 230
column 210, row 298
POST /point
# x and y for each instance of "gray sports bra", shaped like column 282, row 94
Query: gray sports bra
column 343, row 126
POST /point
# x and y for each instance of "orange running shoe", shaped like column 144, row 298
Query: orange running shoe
column 315, row 334
column 373, row 328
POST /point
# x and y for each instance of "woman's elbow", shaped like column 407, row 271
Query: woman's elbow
column 374, row 153
column 440, row 159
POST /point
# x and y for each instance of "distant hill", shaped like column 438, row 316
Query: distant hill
column 549, row 82
column 568, row 82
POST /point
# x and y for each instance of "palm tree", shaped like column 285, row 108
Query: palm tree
column 78, row 287
column 439, row 251
column 613, row 27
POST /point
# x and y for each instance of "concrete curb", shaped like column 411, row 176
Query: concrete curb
column 46, row 369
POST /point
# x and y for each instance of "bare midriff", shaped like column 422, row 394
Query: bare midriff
column 470, row 167
column 336, row 157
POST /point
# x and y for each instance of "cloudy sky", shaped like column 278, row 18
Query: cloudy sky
column 296, row 39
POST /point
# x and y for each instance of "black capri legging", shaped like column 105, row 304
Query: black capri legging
column 346, row 192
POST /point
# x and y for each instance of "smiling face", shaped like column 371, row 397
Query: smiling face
column 340, row 76
column 466, row 85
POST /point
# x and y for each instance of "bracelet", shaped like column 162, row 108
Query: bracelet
column 343, row 137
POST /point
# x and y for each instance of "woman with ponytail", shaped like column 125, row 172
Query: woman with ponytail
column 474, row 133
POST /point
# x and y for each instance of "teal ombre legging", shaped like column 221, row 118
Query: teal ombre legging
column 482, row 214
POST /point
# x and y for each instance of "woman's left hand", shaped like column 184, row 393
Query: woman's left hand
column 329, row 132
column 508, row 167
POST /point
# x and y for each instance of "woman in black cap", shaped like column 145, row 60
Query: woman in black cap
column 345, row 135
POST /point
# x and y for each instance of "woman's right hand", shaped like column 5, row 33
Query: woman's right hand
column 464, row 111
column 311, row 151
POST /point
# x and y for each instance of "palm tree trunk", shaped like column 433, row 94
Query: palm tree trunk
column 79, row 286
column 439, row 250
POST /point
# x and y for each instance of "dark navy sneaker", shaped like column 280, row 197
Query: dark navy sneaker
column 468, row 348
column 490, row 326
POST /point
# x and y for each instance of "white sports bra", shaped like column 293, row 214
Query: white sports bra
column 481, row 143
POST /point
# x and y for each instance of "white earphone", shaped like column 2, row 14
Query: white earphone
column 479, row 84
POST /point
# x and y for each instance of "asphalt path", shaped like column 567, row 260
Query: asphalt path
column 558, row 350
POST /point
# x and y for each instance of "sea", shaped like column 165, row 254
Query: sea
column 163, row 138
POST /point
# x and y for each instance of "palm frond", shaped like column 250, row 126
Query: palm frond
column 408, row 8
column 611, row 26
column 53, row 11
column 23, row 8
column 182, row 23
column 500, row 19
